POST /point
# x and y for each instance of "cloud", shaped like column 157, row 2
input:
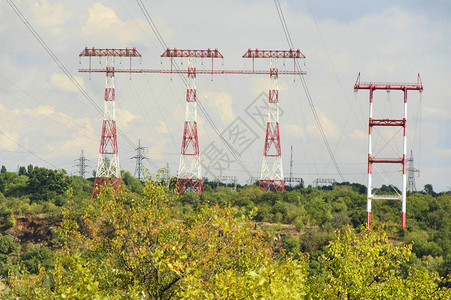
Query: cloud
column 125, row 117
column 103, row 21
column 157, row 149
column 8, row 139
column 61, row 82
column 222, row 102
column 330, row 130
column 359, row 134
column 294, row 130
column 49, row 15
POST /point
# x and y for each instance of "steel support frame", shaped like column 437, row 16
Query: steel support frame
column 272, row 169
column 189, row 176
column 108, row 167
column 387, row 122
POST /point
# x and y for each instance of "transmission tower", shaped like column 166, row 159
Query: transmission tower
column 272, row 168
column 189, row 175
column 372, row 159
column 108, row 169
column 411, row 187
column 139, row 170
column 81, row 164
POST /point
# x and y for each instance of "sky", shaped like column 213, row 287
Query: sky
column 46, row 121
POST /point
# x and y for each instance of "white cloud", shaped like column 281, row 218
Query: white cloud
column 61, row 82
column 48, row 15
column 222, row 102
column 294, row 130
column 330, row 130
column 359, row 134
column 8, row 139
column 103, row 21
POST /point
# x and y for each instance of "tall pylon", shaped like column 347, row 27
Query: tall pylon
column 375, row 122
column 139, row 170
column 108, row 168
column 272, row 169
column 411, row 186
column 189, row 176
column 82, row 164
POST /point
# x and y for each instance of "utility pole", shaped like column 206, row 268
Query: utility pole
column 411, row 187
column 292, row 179
column 139, row 170
column 81, row 164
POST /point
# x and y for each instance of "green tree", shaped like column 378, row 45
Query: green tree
column 120, row 248
column 368, row 266
column 48, row 185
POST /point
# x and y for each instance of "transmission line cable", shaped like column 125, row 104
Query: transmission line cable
column 307, row 91
column 61, row 65
column 202, row 108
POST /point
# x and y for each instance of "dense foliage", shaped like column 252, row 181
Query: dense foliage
column 149, row 243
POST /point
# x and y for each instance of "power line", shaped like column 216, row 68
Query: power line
column 61, row 66
column 307, row 91
column 32, row 153
column 202, row 108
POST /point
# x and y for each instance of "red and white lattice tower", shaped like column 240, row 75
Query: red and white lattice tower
column 189, row 176
column 272, row 168
column 372, row 159
column 108, row 168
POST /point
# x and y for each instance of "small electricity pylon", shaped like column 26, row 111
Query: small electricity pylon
column 81, row 165
column 411, row 186
column 139, row 169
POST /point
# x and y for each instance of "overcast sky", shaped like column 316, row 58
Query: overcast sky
column 46, row 121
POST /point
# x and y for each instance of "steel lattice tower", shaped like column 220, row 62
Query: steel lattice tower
column 82, row 164
column 272, row 168
column 411, row 186
column 189, row 176
column 139, row 170
column 108, row 168
column 373, row 122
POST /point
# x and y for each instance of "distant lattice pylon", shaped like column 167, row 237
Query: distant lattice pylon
column 411, row 186
column 108, row 168
column 139, row 169
column 82, row 164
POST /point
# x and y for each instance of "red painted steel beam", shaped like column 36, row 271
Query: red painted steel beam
column 213, row 72
column 387, row 122
column 256, row 53
column 388, row 85
column 110, row 52
column 191, row 53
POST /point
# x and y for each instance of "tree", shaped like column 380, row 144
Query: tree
column 428, row 189
column 368, row 266
column 136, row 249
column 3, row 169
column 45, row 184
column 22, row 171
